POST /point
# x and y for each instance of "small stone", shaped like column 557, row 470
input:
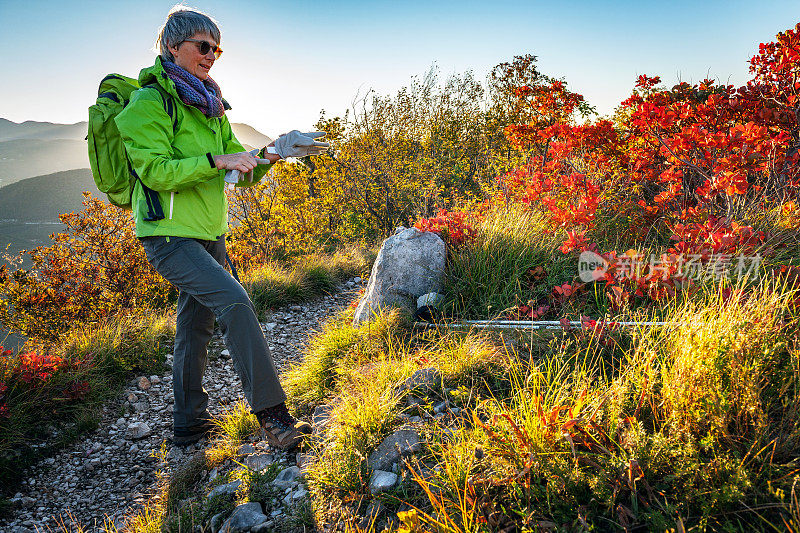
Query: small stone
column 227, row 488
column 299, row 493
column 140, row 407
column 225, row 353
column 271, row 326
column 258, row 461
column 287, row 477
column 244, row 517
column 132, row 397
column 424, row 379
column 246, row 449
column 143, row 383
column 155, row 380
column 440, row 407
column 381, row 481
column 321, row 416
column 401, row 443
column 138, row 430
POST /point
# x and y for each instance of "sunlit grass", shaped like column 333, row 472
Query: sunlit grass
column 703, row 414
column 274, row 284
column 490, row 275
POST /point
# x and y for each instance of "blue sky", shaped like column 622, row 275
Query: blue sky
column 285, row 61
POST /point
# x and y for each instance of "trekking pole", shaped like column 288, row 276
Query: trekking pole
column 534, row 324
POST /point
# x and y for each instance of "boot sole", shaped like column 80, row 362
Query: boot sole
column 273, row 441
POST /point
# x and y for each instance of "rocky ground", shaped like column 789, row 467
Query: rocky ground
column 109, row 472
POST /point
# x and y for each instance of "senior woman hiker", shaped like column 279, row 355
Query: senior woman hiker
column 181, row 162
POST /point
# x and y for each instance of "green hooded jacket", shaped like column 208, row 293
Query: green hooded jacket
column 176, row 164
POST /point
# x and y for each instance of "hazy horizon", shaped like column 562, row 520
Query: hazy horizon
column 283, row 63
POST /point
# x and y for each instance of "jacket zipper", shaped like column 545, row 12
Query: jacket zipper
column 171, row 203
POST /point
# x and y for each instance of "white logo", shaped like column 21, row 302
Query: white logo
column 591, row 266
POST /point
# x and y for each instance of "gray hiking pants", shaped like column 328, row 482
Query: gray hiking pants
column 206, row 291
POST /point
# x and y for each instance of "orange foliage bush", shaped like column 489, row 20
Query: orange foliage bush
column 684, row 154
column 95, row 269
column 687, row 162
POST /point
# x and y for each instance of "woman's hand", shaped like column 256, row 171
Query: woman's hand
column 272, row 157
column 241, row 161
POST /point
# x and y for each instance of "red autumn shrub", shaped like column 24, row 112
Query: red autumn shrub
column 454, row 227
column 689, row 154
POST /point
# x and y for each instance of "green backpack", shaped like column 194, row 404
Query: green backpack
column 111, row 168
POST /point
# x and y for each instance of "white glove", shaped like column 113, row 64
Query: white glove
column 296, row 144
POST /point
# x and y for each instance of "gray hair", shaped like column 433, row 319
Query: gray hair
column 183, row 22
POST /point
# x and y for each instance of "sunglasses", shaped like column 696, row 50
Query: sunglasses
column 206, row 47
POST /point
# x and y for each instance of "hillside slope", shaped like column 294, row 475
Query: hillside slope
column 29, row 208
column 31, row 129
column 250, row 136
column 26, row 158
column 42, row 198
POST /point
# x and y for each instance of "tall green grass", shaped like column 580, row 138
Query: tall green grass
column 490, row 275
column 692, row 427
column 358, row 371
column 276, row 284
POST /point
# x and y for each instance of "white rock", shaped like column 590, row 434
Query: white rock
column 381, row 481
column 138, row 430
column 409, row 264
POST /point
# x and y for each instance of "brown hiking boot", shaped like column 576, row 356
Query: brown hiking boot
column 186, row 436
column 280, row 428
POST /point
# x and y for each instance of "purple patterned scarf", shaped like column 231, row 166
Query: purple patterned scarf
column 204, row 95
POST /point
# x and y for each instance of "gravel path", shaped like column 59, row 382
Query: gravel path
column 108, row 473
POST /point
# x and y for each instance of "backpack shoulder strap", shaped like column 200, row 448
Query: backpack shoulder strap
column 169, row 105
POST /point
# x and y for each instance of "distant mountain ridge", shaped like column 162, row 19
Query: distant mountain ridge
column 31, row 129
column 34, row 148
column 26, row 158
